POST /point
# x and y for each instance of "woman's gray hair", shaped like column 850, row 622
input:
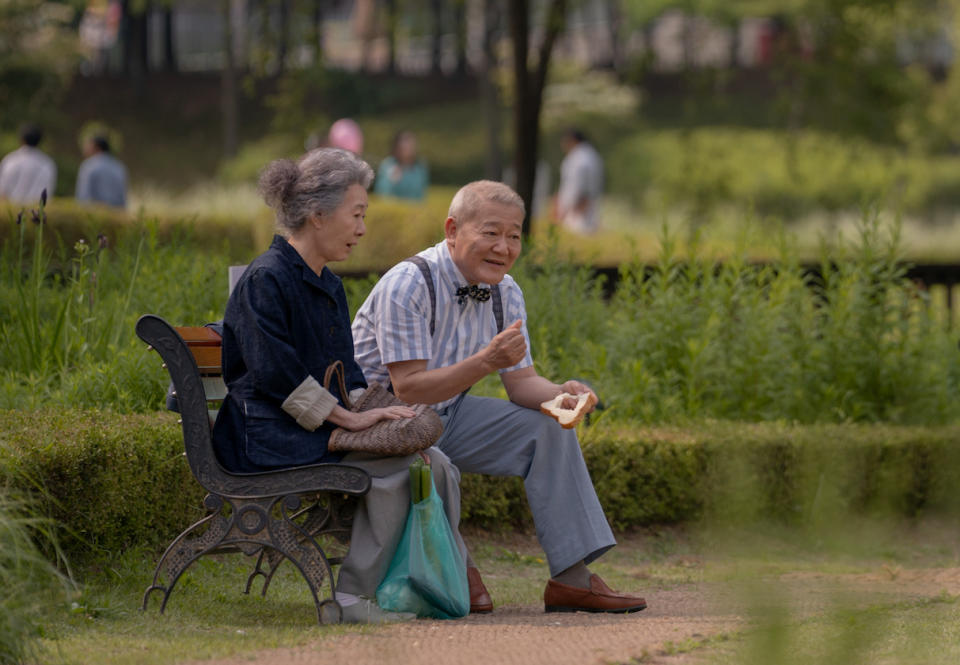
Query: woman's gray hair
column 471, row 196
column 316, row 183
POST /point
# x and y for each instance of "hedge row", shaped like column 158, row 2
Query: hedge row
column 396, row 229
column 120, row 481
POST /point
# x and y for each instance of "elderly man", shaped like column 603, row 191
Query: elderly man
column 438, row 323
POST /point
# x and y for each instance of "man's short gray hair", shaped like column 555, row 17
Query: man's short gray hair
column 316, row 183
column 471, row 196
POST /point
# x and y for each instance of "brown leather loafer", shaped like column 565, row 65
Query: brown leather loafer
column 599, row 597
column 480, row 601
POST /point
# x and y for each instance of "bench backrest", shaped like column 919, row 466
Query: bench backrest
column 204, row 343
column 184, row 371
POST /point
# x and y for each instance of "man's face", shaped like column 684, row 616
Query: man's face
column 485, row 246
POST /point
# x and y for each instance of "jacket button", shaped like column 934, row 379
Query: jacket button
column 333, row 329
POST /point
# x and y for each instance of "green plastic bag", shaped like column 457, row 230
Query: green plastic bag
column 427, row 575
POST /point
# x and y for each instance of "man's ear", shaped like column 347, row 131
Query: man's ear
column 450, row 229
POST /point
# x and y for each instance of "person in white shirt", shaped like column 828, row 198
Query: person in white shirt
column 26, row 172
column 581, row 184
column 438, row 323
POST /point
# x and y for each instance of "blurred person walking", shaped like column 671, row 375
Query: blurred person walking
column 27, row 171
column 581, row 184
column 102, row 178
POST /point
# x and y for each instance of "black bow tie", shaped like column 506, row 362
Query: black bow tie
column 478, row 293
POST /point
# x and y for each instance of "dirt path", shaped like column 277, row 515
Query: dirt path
column 517, row 635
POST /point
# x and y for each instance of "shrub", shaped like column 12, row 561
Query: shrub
column 120, row 481
column 111, row 481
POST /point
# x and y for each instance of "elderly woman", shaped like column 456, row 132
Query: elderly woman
column 286, row 321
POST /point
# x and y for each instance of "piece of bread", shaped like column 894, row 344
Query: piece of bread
column 568, row 418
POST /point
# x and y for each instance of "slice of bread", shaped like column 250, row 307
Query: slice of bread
column 568, row 418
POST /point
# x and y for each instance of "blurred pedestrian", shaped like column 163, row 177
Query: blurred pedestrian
column 26, row 172
column 581, row 184
column 345, row 134
column 403, row 174
column 102, row 178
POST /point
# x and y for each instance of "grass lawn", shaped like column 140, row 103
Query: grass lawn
column 863, row 593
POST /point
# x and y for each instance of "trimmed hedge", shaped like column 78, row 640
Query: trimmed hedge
column 117, row 481
column 112, row 481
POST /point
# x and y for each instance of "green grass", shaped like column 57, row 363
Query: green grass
column 792, row 587
column 208, row 616
column 31, row 585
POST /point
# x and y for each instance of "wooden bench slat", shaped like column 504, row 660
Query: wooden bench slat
column 208, row 359
column 199, row 336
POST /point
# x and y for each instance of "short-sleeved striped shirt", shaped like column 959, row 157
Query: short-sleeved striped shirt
column 393, row 324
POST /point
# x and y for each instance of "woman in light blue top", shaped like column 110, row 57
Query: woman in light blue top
column 403, row 174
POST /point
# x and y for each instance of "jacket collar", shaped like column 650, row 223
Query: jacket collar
column 326, row 281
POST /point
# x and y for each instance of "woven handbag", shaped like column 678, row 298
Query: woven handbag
column 387, row 437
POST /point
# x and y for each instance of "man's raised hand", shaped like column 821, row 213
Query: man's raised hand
column 508, row 348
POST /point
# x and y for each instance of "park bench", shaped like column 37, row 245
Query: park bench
column 275, row 515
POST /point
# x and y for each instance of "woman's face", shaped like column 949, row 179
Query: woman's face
column 338, row 231
column 407, row 149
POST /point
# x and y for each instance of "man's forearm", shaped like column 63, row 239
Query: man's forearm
column 423, row 386
column 530, row 391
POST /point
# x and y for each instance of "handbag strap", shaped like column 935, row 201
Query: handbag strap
column 336, row 368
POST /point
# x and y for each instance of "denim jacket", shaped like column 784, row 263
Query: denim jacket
column 283, row 323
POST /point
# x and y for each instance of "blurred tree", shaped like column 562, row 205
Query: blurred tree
column 436, row 38
column 39, row 52
column 529, row 79
column 488, row 89
column 229, row 100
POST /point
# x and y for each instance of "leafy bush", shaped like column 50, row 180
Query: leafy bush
column 112, row 481
column 694, row 337
column 116, row 481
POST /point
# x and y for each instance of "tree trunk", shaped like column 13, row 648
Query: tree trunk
column 614, row 21
column 283, row 36
column 228, row 84
column 436, row 43
column 488, row 89
column 528, row 93
column 460, row 25
column 134, row 40
column 318, row 32
column 169, row 43
column 391, row 36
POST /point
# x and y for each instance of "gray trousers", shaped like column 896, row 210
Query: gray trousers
column 498, row 438
column 382, row 514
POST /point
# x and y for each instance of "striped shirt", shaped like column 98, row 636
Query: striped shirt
column 393, row 324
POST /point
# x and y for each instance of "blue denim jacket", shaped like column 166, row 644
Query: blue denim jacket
column 283, row 322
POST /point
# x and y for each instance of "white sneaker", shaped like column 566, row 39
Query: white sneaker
column 367, row 611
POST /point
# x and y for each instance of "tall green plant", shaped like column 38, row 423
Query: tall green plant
column 29, row 584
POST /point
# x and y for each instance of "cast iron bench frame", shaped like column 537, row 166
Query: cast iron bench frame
column 275, row 515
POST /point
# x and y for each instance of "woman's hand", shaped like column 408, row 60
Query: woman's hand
column 364, row 419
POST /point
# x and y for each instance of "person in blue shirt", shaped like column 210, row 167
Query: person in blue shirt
column 102, row 178
column 285, row 323
column 403, row 174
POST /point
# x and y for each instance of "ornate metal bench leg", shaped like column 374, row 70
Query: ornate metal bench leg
column 259, row 571
column 183, row 551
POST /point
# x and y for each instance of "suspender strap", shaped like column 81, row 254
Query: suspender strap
column 421, row 263
column 495, row 298
column 497, row 306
